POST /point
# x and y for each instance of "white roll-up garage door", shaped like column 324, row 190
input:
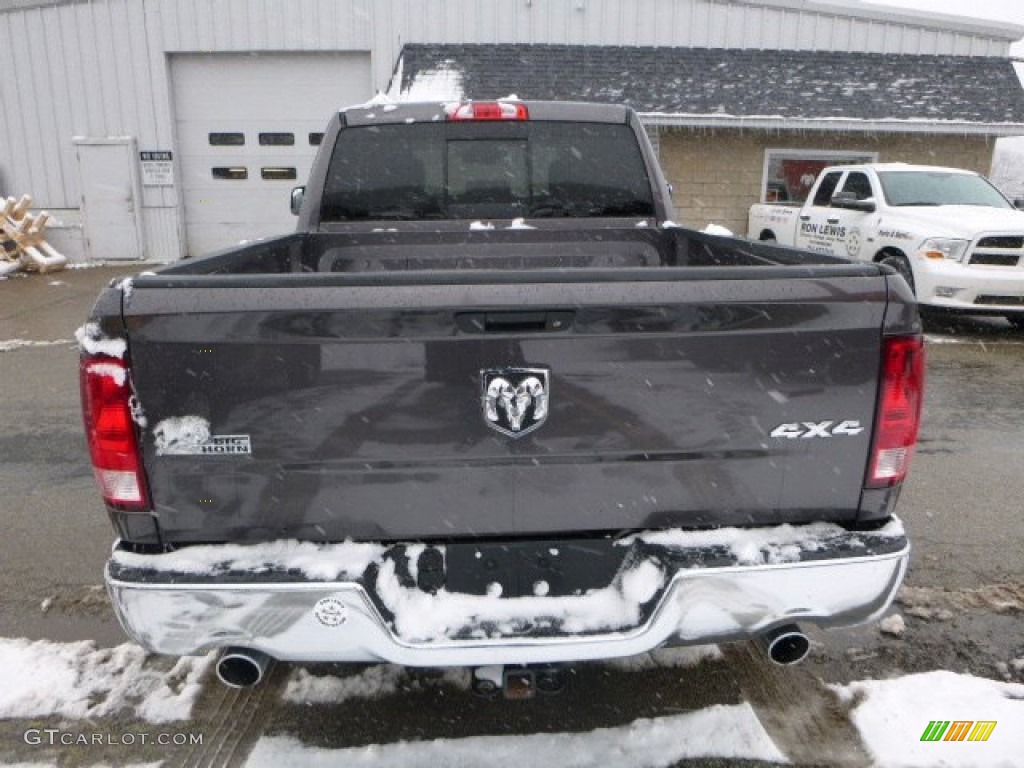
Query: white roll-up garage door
column 248, row 127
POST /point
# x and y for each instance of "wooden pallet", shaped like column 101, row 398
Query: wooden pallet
column 23, row 243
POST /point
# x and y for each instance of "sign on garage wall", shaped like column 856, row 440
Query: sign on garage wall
column 157, row 168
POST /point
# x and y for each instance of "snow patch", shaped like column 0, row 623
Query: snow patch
column 322, row 562
column 479, row 225
column 680, row 657
column 126, row 286
column 641, row 584
column 718, row 731
column 12, row 344
column 182, row 435
column 43, row 679
column 379, row 99
column 424, row 617
column 892, row 715
column 717, row 229
column 893, row 625
column 519, row 224
column 92, row 341
column 371, row 683
column 115, row 372
column 758, row 546
column 137, row 411
column 443, row 83
column 374, row 682
column 943, row 604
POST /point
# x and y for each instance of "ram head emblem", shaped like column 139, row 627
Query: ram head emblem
column 515, row 400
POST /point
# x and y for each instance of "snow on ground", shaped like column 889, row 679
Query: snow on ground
column 79, row 680
column 385, row 679
column 12, row 344
column 893, row 715
column 725, row 731
column 682, row 656
column 371, row 683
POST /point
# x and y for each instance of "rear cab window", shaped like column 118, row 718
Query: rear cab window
column 486, row 171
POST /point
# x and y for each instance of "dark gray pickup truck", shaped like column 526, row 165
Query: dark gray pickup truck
column 488, row 406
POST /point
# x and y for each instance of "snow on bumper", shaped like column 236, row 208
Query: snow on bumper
column 674, row 587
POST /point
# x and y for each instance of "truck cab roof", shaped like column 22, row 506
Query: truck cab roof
column 882, row 167
column 376, row 113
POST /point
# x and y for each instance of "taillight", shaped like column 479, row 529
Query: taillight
column 110, row 432
column 899, row 410
column 490, row 110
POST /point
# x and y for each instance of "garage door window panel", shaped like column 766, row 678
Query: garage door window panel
column 277, row 139
column 227, row 139
column 234, row 173
column 278, row 174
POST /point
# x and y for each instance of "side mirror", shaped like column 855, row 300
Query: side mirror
column 849, row 201
column 298, row 195
column 1018, row 203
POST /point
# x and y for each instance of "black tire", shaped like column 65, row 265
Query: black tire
column 902, row 267
column 768, row 237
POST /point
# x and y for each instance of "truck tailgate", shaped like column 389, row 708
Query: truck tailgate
column 356, row 406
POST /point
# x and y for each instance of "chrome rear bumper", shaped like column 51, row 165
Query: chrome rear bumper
column 705, row 595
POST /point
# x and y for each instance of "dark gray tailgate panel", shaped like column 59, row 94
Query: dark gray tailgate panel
column 362, row 406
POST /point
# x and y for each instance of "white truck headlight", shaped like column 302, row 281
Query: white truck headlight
column 944, row 248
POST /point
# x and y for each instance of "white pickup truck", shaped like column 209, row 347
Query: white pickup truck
column 956, row 240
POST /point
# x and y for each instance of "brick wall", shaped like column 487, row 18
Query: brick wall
column 717, row 173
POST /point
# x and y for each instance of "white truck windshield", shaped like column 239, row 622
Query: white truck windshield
column 906, row 188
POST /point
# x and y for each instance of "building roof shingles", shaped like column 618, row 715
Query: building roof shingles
column 742, row 83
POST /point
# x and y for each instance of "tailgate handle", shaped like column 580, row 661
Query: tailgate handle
column 518, row 321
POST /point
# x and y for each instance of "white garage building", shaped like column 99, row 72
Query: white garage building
column 160, row 129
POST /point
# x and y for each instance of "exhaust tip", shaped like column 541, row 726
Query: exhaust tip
column 241, row 668
column 785, row 645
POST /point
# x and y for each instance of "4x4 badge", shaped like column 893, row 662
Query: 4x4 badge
column 515, row 400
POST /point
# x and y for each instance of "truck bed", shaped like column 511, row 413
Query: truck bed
column 329, row 386
column 569, row 244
